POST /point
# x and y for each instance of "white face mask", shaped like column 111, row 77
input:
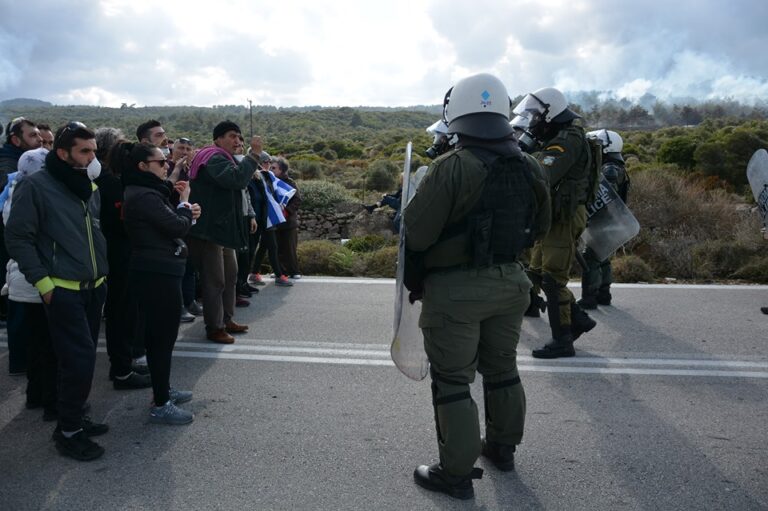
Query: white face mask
column 165, row 151
column 93, row 169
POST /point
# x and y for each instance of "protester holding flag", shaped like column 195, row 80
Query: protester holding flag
column 267, row 205
column 288, row 232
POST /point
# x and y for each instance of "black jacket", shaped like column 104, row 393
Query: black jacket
column 52, row 233
column 155, row 229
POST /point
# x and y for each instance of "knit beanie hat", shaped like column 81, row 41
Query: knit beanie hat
column 224, row 127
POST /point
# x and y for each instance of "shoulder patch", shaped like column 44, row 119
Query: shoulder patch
column 555, row 148
column 548, row 160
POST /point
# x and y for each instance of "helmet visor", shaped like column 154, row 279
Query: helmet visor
column 529, row 106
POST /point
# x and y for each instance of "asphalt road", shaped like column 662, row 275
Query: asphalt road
column 664, row 407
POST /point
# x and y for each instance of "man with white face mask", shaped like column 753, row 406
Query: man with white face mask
column 53, row 234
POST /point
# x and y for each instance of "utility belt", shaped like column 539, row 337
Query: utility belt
column 78, row 285
column 469, row 266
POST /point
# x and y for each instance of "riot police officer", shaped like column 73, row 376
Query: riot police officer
column 596, row 278
column 478, row 206
column 566, row 159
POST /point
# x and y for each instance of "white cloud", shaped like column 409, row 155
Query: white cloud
column 298, row 52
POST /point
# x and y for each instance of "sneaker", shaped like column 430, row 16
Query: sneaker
column 296, row 276
column 283, row 281
column 241, row 302
column 243, row 291
column 434, row 478
column 220, row 336
column 186, row 316
column 235, row 328
column 255, row 279
column 169, row 413
column 179, row 396
column 78, row 446
column 501, row 455
column 133, row 381
column 252, row 288
column 195, row 308
column 91, row 428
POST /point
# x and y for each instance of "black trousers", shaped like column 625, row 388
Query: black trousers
column 244, row 258
column 287, row 243
column 17, row 326
column 267, row 244
column 74, row 318
column 159, row 299
column 28, row 322
column 120, row 326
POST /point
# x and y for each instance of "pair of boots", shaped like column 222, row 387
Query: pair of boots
column 590, row 301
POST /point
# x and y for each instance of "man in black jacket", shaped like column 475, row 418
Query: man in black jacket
column 54, row 235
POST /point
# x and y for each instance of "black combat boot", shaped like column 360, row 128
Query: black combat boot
column 588, row 302
column 434, row 478
column 559, row 347
column 764, row 310
column 501, row 455
column 580, row 321
column 604, row 296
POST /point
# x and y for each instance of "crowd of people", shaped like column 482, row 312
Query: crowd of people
column 141, row 234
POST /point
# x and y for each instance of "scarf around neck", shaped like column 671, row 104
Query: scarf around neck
column 75, row 179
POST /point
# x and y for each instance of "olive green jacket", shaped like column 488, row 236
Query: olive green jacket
column 449, row 191
column 566, row 160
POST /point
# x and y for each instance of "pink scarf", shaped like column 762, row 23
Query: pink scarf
column 202, row 157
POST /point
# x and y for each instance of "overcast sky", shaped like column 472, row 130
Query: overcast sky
column 385, row 53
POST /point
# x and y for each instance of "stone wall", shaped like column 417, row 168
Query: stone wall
column 346, row 221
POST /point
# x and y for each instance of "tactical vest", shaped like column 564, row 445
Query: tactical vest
column 501, row 224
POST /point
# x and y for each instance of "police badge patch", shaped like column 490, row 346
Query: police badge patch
column 548, row 160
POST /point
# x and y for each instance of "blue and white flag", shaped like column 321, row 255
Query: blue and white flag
column 283, row 191
column 274, row 209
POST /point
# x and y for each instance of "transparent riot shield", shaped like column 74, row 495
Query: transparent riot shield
column 757, row 174
column 611, row 223
column 407, row 349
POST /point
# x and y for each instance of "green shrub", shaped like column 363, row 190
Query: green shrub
column 756, row 270
column 309, row 169
column 720, row 258
column 367, row 243
column 381, row 175
column 382, row 262
column 631, row 268
column 322, row 195
column 342, row 262
column 314, row 255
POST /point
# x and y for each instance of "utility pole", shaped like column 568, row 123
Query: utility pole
column 250, row 113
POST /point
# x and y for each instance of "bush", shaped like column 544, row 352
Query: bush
column 381, row 175
column 631, row 268
column 382, row 262
column 756, row 270
column 719, row 258
column 314, row 256
column 322, row 195
column 343, row 262
column 309, row 169
column 367, row 243
column 678, row 150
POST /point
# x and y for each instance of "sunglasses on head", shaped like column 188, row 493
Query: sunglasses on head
column 73, row 126
column 183, row 140
column 15, row 122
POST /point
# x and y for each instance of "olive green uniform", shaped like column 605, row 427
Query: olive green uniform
column 471, row 317
column 566, row 160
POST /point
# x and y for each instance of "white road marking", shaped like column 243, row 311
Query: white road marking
column 573, row 284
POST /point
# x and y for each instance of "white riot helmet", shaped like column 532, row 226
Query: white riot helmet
column 442, row 141
column 611, row 142
column 547, row 104
column 478, row 106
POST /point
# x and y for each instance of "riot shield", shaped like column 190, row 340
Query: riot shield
column 611, row 223
column 757, row 174
column 407, row 349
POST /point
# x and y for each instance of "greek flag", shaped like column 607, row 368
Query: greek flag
column 283, row 191
column 274, row 209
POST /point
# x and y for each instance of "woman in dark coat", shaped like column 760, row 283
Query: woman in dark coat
column 157, row 264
